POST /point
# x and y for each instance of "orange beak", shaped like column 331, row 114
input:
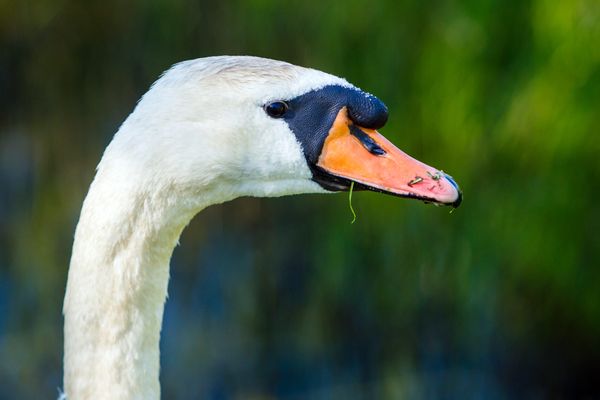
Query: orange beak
column 364, row 156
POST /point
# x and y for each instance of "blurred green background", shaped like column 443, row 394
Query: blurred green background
column 283, row 298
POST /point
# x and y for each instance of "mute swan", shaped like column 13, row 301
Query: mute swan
column 208, row 131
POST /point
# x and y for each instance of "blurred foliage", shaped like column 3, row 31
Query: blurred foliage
column 283, row 298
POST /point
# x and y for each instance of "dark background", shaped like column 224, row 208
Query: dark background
column 283, row 298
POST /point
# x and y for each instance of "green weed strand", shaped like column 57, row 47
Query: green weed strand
column 350, row 203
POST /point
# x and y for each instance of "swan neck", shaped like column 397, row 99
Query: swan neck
column 116, row 290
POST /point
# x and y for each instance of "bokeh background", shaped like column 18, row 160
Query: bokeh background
column 284, row 298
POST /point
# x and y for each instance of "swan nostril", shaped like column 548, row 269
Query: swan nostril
column 367, row 141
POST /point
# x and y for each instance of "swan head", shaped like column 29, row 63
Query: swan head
column 248, row 126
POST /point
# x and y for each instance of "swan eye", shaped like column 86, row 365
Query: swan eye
column 276, row 109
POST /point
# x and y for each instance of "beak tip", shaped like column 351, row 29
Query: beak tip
column 458, row 200
column 459, row 196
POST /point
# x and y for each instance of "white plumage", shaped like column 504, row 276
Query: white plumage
column 198, row 137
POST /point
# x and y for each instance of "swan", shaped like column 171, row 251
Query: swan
column 207, row 131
